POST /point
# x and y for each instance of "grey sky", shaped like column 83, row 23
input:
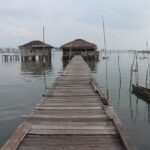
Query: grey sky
column 127, row 22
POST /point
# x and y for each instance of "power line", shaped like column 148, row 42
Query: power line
column 14, row 24
column 11, row 34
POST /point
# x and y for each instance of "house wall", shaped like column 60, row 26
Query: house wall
column 91, row 53
column 28, row 51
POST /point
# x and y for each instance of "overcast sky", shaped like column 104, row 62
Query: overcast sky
column 127, row 22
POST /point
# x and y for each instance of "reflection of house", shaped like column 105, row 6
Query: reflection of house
column 92, row 63
column 79, row 46
column 35, row 50
column 36, row 68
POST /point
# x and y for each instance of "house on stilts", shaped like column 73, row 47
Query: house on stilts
column 35, row 50
column 80, row 47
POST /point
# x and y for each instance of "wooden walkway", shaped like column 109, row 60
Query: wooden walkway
column 74, row 115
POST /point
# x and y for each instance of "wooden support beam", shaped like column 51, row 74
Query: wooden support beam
column 17, row 137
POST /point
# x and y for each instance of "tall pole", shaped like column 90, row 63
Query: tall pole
column 44, row 58
column 104, row 35
column 147, row 45
column 43, row 34
column 70, row 53
column 43, row 41
column 148, row 62
column 105, row 54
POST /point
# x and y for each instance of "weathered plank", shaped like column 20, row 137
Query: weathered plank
column 63, row 104
column 64, row 116
column 73, row 132
column 66, row 108
column 17, row 137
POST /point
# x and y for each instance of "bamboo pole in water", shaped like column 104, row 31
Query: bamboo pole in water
column 136, row 73
column 146, row 82
column 70, row 53
column 119, row 74
column 131, row 71
column 105, row 57
column 148, row 73
column 131, row 77
column 44, row 61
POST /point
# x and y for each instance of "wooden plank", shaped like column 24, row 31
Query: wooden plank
column 74, row 147
column 66, row 108
column 73, row 132
column 69, row 90
column 63, row 116
column 81, row 123
column 72, row 95
column 17, row 137
column 74, row 98
column 72, row 85
column 99, row 91
column 70, row 112
column 72, row 142
column 71, row 127
column 69, row 101
column 73, row 104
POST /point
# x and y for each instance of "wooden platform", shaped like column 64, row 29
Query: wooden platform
column 74, row 115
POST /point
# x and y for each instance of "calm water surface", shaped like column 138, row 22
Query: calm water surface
column 22, row 86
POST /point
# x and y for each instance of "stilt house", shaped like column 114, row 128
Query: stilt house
column 80, row 47
column 35, row 50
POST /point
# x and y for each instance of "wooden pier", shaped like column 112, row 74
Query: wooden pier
column 7, row 58
column 73, row 115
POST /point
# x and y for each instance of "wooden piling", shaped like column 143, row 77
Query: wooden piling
column 7, row 58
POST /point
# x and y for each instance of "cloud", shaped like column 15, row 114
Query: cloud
column 127, row 22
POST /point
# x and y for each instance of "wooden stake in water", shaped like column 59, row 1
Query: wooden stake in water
column 146, row 82
column 119, row 74
column 70, row 53
column 131, row 77
column 136, row 73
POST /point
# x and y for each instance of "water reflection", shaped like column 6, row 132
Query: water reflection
column 130, row 107
column 65, row 62
column 119, row 70
column 91, row 62
column 36, row 68
column 134, row 117
column 148, row 118
column 137, row 110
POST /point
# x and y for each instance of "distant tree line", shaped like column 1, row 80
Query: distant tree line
column 9, row 50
